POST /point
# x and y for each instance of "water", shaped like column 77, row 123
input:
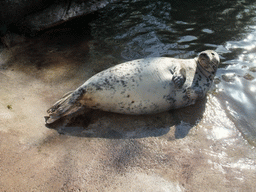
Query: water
column 210, row 145
column 139, row 29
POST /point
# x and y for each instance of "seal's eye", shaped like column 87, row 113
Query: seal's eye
column 213, row 54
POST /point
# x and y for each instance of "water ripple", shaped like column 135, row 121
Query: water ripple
column 138, row 29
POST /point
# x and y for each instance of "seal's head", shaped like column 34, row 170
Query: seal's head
column 209, row 61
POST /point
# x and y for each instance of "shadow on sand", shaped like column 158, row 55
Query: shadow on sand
column 176, row 123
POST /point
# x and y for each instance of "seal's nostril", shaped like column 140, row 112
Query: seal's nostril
column 204, row 54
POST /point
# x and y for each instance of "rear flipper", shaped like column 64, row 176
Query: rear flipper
column 68, row 104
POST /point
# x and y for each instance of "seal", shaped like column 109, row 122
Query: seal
column 143, row 86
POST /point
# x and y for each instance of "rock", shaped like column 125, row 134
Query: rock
column 229, row 77
column 11, row 39
column 59, row 12
column 252, row 69
column 29, row 17
column 13, row 11
column 217, row 81
column 249, row 77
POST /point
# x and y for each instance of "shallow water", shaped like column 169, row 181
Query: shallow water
column 210, row 145
column 160, row 28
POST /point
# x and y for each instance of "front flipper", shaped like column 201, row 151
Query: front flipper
column 194, row 94
column 179, row 78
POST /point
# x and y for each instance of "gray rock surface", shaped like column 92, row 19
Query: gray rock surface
column 32, row 16
column 59, row 12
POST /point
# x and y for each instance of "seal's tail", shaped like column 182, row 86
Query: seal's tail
column 68, row 104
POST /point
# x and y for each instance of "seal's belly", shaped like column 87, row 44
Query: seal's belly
column 133, row 88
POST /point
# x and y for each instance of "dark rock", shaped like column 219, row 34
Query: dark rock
column 229, row 77
column 252, row 69
column 249, row 77
column 11, row 39
column 13, row 11
column 31, row 16
column 59, row 12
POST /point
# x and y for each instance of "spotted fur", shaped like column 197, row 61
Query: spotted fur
column 143, row 86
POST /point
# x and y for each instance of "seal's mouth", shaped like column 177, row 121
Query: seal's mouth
column 204, row 59
column 208, row 61
column 204, row 56
column 205, row 62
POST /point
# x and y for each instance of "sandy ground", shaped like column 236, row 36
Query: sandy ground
column 196, row 148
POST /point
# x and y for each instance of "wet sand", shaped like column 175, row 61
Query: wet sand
column 197, row 148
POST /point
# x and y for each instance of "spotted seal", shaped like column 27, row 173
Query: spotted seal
column 143, row 86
